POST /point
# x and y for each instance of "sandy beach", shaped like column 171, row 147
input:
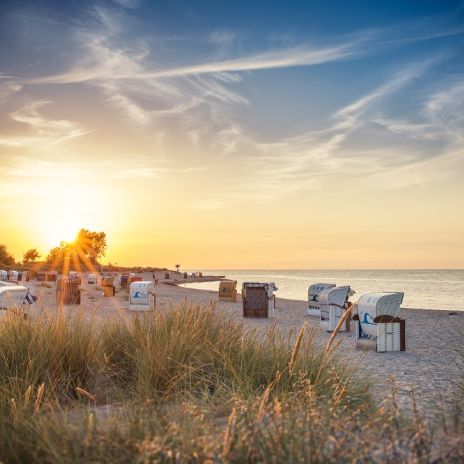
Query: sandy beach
column 428, row 367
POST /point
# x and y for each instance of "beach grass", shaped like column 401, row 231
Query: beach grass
column 189, row 385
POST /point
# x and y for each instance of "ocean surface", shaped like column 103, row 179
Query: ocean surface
column 425, row 289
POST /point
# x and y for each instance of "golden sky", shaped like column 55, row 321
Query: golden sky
column 226, row 145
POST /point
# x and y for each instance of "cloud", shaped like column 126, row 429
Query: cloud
column 7, row 89
column 222, row 37
column 129, row 167
column 129, row 4
column 194, row 103
column 43, row 131
column 440, row 119
column 304, row 55
column 316, row 159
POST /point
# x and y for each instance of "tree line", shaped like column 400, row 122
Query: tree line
column 84, row 252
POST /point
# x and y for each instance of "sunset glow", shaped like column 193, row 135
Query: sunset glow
column 220, row 141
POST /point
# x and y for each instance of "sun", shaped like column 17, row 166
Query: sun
column 66, row 210
column 64, row 231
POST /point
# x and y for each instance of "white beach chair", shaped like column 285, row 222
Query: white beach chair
column 13, row 276
column 377, row 320
column 333, row 303
column 142, row 296
column 14, row 297
column 313, row 298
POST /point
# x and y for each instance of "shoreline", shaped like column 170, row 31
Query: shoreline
column 217, row 279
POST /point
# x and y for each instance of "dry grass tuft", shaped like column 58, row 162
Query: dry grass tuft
column 190, row 386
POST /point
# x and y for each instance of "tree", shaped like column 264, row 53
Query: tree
column 80, row 254
column 92, row 244
column 5, row 257
column 30, row 256
column 57, row 255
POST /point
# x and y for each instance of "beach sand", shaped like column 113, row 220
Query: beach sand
column 429, row 366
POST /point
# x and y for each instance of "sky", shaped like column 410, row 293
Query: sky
column 235, row 135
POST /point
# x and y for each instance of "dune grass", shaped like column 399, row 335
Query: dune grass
column 191, row 386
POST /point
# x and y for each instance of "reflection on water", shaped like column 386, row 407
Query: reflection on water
column 427, row 289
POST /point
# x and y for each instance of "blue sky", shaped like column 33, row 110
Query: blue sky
column 301, row 101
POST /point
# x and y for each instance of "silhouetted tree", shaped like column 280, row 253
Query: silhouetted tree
column 30, row 256
column 57, row 255
column 81, row 254
column 5, row 257
column 92, row 244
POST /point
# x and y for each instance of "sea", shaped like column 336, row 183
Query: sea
column 424, row 289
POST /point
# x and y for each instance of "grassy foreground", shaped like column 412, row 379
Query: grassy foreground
column 191, row 386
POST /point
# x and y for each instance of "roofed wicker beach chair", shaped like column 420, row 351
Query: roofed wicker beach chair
column 107, row 284
column 313, row 298
column 124, row 280
column 333, row 303
column 377, row 320
column 258, row 299
column 228, row 290
column 68, row 291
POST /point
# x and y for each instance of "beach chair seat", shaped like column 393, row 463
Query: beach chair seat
column 228, row 290
column 109, row 290
column 333, row 303
column 313, row 298
column 258, row 299
column 377, row 320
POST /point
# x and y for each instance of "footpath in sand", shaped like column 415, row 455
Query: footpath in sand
column 431, row 364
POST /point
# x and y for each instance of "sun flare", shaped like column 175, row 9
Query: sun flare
column 64, row 211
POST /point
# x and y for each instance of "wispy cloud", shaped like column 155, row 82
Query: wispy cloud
column 130, row 167
column 315, row 159
column 190, row 102
column 42, row 131
column 303, row 55
column 7, row 89
column 222, row 37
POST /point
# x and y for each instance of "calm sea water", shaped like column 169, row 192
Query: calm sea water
column 426, row 289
